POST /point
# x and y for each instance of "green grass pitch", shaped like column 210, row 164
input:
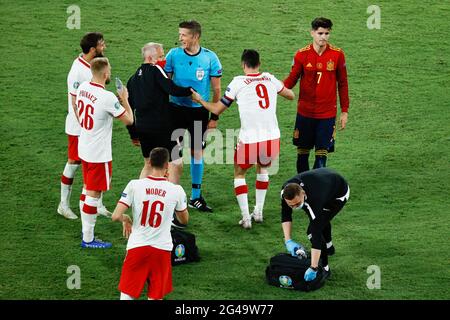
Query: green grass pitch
column 395, row 152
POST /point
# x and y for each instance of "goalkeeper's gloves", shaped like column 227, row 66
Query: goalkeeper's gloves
column 310, row 274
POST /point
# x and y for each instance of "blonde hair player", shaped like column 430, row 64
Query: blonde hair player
column 96, row 108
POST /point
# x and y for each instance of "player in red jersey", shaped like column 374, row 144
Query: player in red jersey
column 321, row 69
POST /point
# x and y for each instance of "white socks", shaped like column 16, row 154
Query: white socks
column 88, row 218
column 67, row 181
column 241, row 191
column 262, row 184
column 66, row 192
column 100, row 201
column 82, row 199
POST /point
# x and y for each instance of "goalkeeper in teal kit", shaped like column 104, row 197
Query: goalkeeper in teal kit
column 191, row 65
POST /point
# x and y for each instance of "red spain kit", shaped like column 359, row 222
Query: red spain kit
column 319, row 75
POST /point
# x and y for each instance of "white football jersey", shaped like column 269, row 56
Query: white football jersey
column 256, row 96
column 79, row 73
column 153, row 201
column 96, row 109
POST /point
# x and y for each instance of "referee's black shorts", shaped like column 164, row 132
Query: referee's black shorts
column 194, row 120
column 153, row 139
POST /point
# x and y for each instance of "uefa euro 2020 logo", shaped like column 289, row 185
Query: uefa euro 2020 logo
column 285, row 281
column 179, row 251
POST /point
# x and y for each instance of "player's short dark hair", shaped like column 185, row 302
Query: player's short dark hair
column 193, row 26
column 250, row 58
column 321, row 22
column 159, row 157
column 291, row 190
column 90, row 40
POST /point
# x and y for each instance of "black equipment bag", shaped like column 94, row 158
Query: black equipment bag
column 286, row 271
column 184, row 248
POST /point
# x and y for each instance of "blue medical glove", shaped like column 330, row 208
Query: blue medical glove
column 292, row 247
column 310, row 274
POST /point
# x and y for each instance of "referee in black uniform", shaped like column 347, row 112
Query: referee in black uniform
column 149, row 89
column 321, row 193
